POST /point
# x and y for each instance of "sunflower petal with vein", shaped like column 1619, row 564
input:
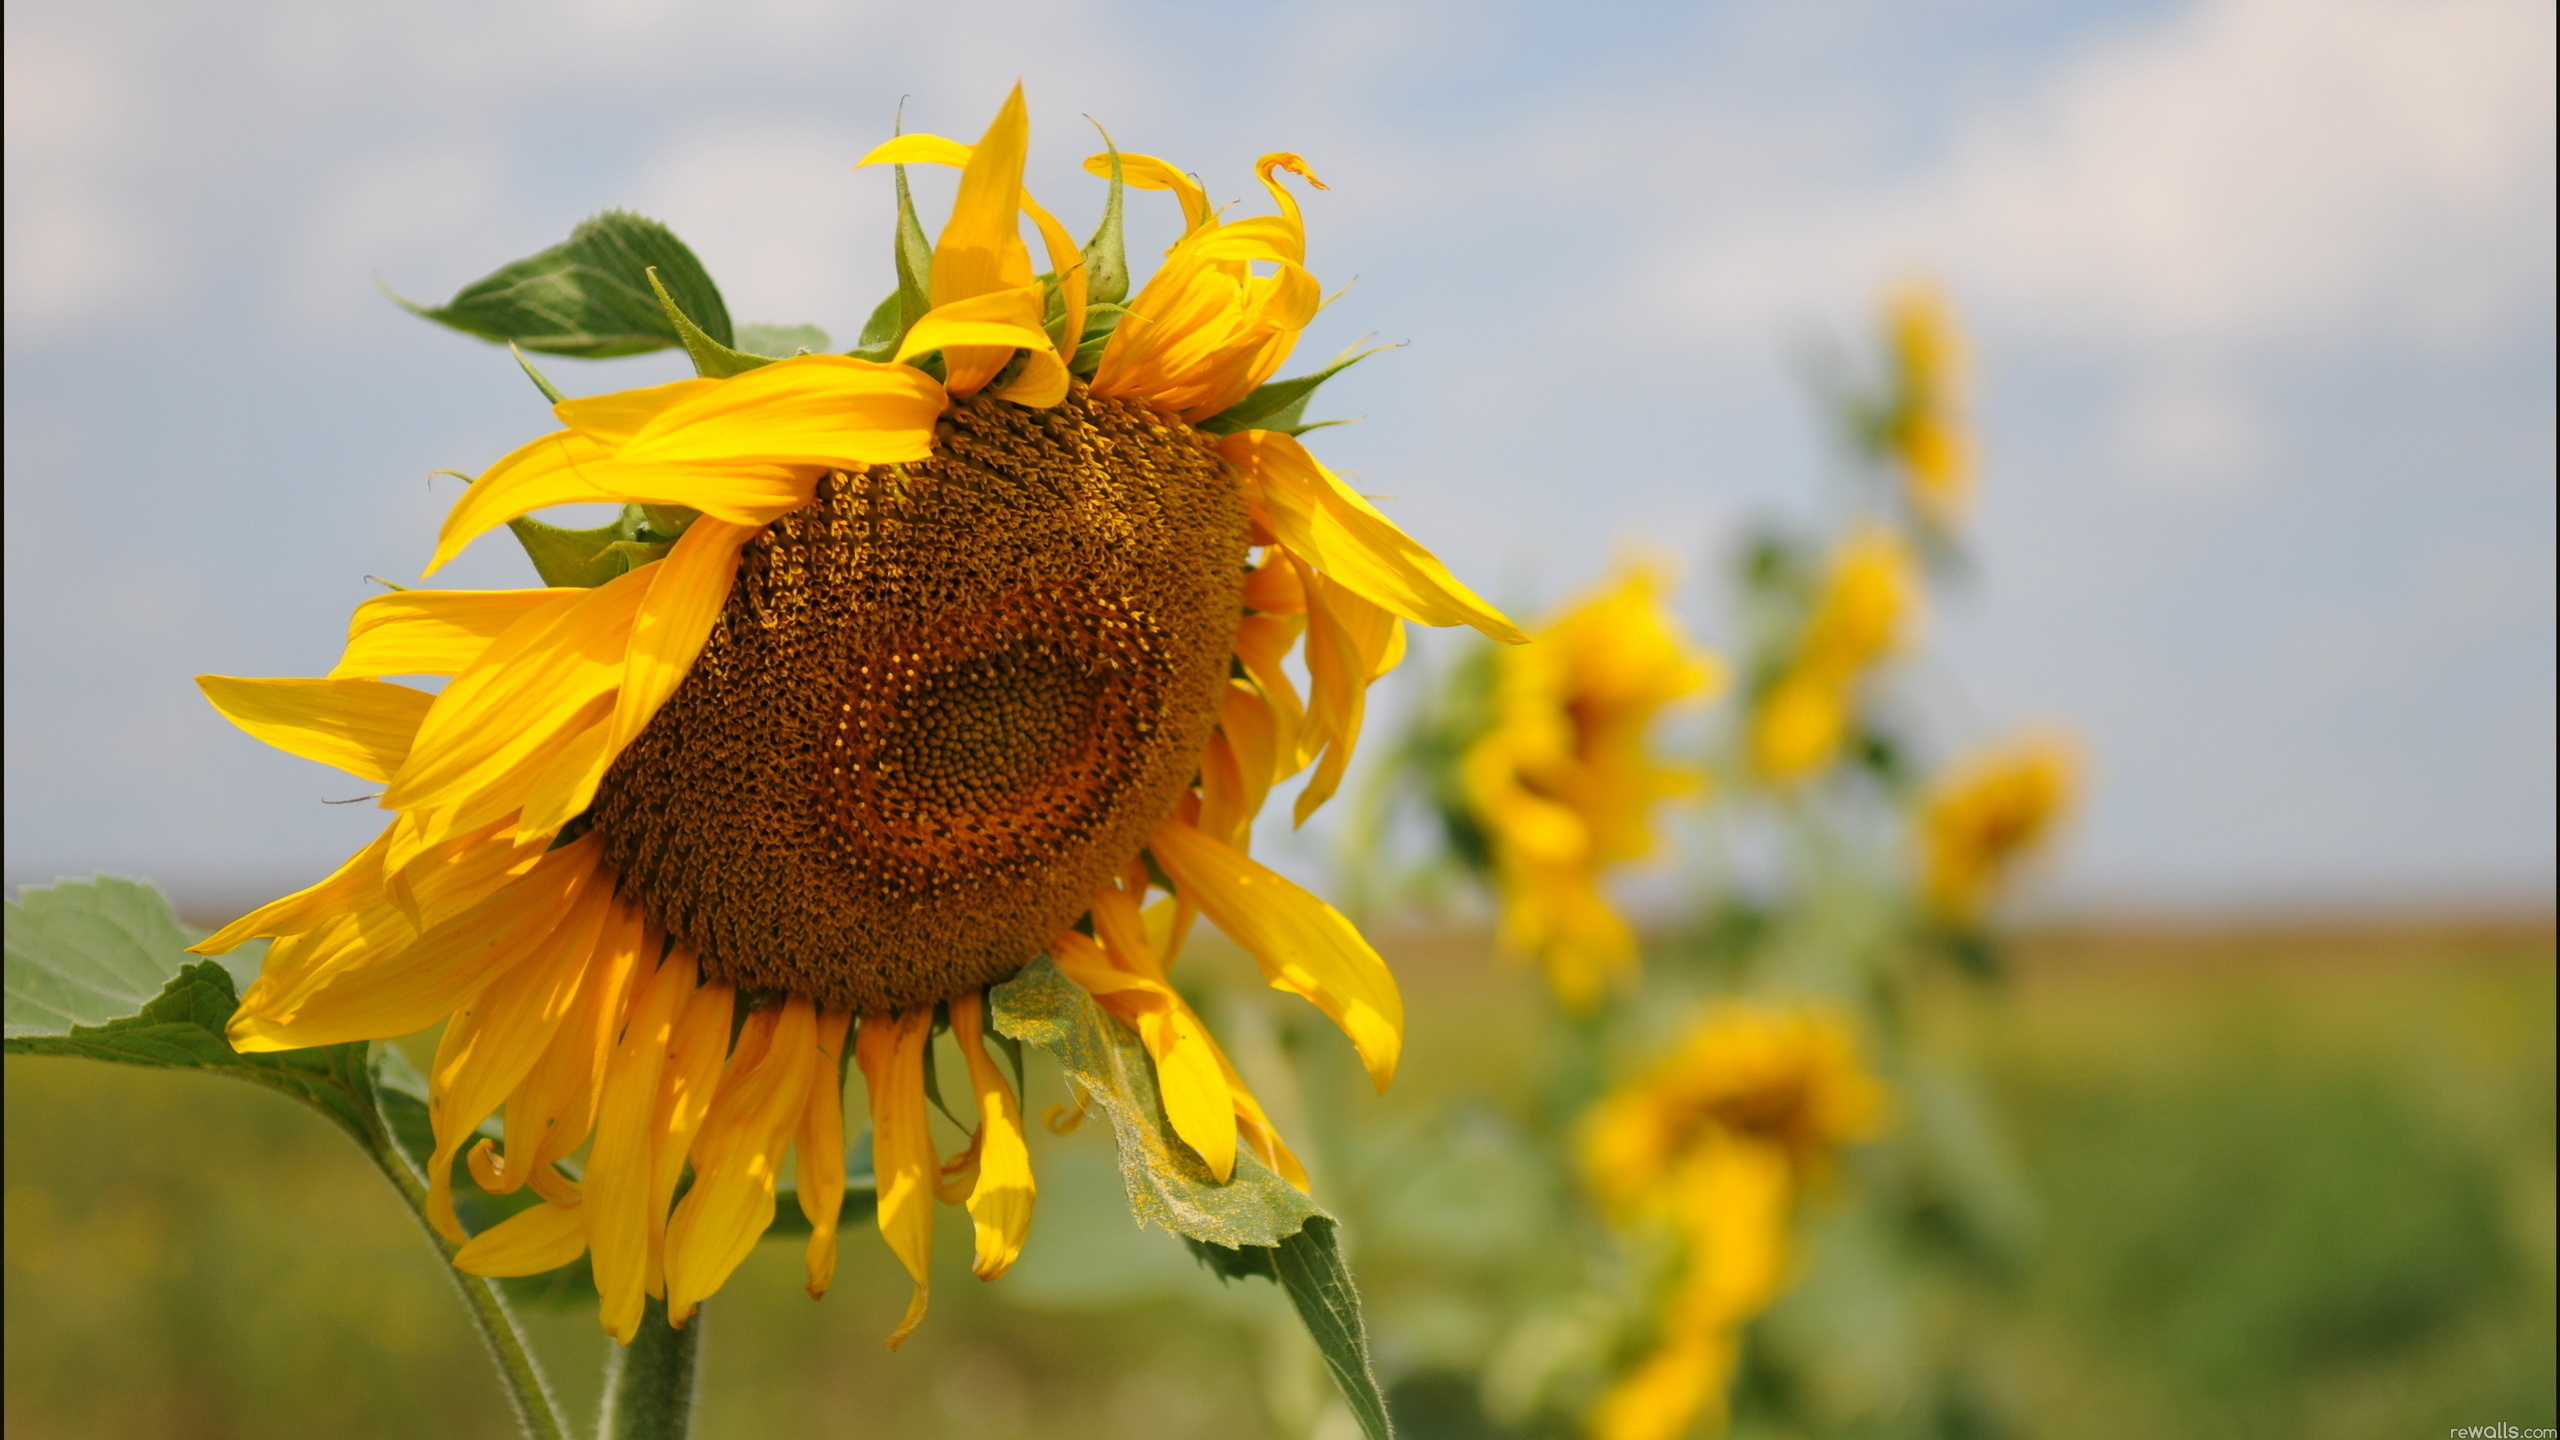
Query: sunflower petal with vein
column 954, row 661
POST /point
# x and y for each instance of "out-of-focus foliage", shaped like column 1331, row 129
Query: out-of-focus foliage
column 2287, row 1184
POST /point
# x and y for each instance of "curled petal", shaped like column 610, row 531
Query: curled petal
column 1303, row 945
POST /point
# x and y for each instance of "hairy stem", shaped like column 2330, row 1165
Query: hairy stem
column 648, row 1384
column 536, row 1410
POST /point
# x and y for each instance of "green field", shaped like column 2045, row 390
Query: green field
column 2288, row 1182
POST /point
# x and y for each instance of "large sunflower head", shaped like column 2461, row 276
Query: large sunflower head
column 1989, row 815
column 1564, row 782
column 915, row 664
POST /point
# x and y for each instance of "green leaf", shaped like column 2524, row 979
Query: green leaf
column 914, row 256
column 79, row 954
column 1255, row 1224
column 587, row 558
column 1282, row 404
column 589, row 296
column 781, row 342
column 1168, row 1185
column 1309, row 1266
column 1106, row 255
column 882, row 332
column 712, row 357
column 87, row 952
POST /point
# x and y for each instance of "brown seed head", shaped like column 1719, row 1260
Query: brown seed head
column 945, row 703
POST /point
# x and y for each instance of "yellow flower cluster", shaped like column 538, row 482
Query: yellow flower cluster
column 1720, row 1143
column 1988, row 816
column 1565, row 782
column 1924, row 425
column 1868, row 599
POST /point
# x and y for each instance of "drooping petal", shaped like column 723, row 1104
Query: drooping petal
column 696, row 1054
column 1303, row 945
column 364, row 727
column 1322, row 521
column 819, row 1149
column 431, row 632
column 890, row 1050
column 495, row 1037
column 553, row 1108
column 738, row 1156
column 528, row 1242
column 1000, row 1203
column 1146, row 172
column 620, row 1222
column 1194, row 1090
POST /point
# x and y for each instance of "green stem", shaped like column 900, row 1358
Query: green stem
column 648, row 1384
column 536, row 1410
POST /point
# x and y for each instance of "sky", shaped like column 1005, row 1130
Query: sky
column 2260, row 295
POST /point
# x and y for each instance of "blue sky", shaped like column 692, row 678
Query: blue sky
column 2261, row 293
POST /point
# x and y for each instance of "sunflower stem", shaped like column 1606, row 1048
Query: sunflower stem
column 535, row 1408
column 648, row 1384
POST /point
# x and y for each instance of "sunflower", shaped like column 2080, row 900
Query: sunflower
column 1986, row 817
column 1860, row 616
column 1719, row 1144
column 1564, row 783
column 1923, row 429
column 957, row 656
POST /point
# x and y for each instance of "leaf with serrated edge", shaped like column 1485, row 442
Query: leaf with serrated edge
column 1309, row 1266
column 589, row 296
column 1168, row 1185
column 86, row 952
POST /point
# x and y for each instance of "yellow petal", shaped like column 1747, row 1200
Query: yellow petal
column 612, row 419
column 820, row 1148
column 553, row 1108
column 1066, row 260
column 980, row 249
column 620, row 1221
column 668, row 633
column 818, row 410
column 696, row 1053
column 537, row 683
column 364, row 727
column 890, row 1050
column 916, row 150
column 1000, row 1203
column 997, row 321
column 1146, row 172
column 566, row 468
column 1303, row 945
column 496, row 1036
column 1324, row 523
column 354, row 885
column 431, row 632
column 1192, row 1086
column 529, row 1242
column 738, row 1156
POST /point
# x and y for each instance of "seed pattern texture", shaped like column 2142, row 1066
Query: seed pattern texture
column 944, row 704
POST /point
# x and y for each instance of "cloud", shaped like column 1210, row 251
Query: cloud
column 2246, row 174
column 77, row 249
